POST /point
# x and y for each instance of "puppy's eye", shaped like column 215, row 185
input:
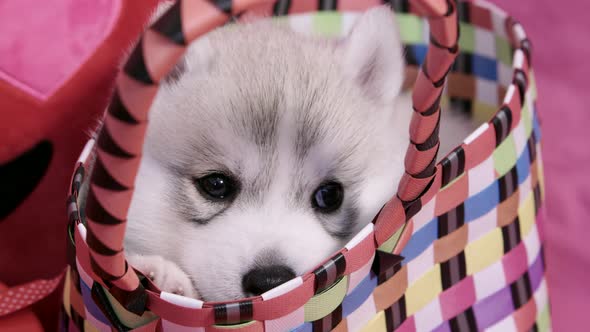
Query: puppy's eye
column 217, row 186
column 328, row 197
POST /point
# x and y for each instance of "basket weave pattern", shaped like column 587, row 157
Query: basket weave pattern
column 458, row 248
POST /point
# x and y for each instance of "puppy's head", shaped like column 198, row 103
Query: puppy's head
column 268, row 150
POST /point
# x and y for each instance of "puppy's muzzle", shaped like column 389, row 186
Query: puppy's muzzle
column 262, row 279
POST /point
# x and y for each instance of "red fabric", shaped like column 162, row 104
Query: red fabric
column 24, row 295
column 32, row 236
column 23, row 320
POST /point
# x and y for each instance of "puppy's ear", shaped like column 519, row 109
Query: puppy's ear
column 197, row 60
column 373, row 54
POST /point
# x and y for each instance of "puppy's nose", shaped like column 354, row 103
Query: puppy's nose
column 262, row 279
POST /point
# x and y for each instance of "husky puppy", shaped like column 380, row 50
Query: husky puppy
column 266, row 151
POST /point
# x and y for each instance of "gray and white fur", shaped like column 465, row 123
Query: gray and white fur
column 281, row 114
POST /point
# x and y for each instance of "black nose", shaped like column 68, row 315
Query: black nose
column 263, row 279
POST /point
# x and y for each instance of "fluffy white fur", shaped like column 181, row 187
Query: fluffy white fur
column 241, row 77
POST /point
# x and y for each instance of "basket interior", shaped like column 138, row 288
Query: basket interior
column 478, row 80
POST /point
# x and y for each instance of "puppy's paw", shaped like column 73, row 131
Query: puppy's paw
column 164, row 273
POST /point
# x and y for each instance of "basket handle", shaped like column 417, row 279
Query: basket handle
column 420, row 160
column 120, row 143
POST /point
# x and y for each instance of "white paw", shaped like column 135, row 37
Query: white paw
column 164, row 273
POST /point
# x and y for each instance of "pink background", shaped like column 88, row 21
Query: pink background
column 81, row 24
column 560, row 36
column 560, row 33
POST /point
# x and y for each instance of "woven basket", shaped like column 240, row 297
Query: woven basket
column 457, row 249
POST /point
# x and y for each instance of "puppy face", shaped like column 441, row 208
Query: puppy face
column 269, row 150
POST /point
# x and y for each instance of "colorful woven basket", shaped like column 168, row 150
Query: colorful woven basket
column 457, row 249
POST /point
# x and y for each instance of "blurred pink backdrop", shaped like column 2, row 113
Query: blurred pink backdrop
column 560, row 32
